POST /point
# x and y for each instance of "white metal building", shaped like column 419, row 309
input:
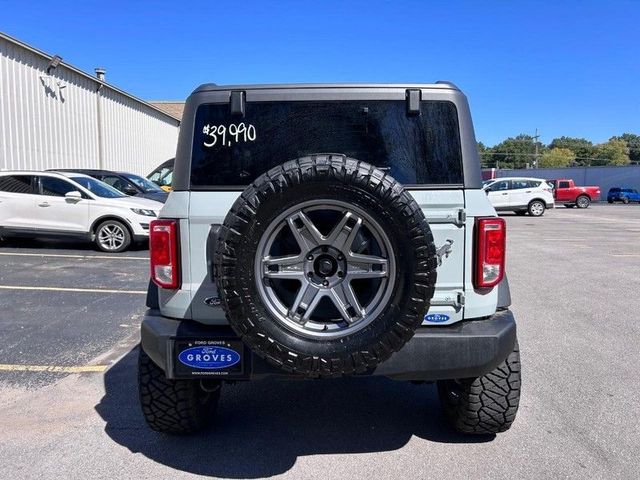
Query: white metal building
column 53, row 115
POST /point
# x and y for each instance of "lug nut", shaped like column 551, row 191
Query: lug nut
column 340, row 274
column 309, row 274
column 325, row 283
column 340, row 257
column 309, row 257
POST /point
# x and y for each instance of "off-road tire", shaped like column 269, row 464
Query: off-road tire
column 328, row 177
column 583, row 201
column 484, row 405
column 173, row 406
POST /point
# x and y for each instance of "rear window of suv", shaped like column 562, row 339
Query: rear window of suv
column 231, row 151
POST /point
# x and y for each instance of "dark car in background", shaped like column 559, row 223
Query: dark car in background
column 127, row 183
column 624, row 195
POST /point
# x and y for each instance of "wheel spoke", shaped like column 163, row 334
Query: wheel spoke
column 366, row 266
column 343, row 234
column 285, row 260
column 305, row 303
column 307, row 235
column 345, row 300
column 283, row 267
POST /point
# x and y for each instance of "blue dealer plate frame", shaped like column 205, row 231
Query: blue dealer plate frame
column 201, row 358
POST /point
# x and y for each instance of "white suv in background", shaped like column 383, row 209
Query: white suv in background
column 50, row 204
column 520, row 195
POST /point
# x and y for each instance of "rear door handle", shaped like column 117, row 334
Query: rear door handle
column 528, row 191
column 43, row 204
column 505, row 194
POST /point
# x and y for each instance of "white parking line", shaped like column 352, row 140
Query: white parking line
column 57, row 255
column 66, row 289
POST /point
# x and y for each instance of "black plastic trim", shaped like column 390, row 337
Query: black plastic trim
column 504, row 293
column 462, row 350
column 153, row 297
column 38, row 233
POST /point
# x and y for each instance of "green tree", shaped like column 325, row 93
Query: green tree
column 516, row 152
column 633, row 144
column 583, row 148
column 485, row 156
column 557, row 157
column 613, row 152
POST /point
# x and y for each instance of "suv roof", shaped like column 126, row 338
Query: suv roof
column 31, row 172
column 72, row 174
column 90, row 170
column 440, row 85
column 516, row 178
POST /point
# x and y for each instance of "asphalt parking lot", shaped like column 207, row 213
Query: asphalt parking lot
column 69, row 320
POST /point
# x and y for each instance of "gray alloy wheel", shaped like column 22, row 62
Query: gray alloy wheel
column 625, row 200
column 325, row 265
column 583, row 201
column 536, row 208
column 112, row 236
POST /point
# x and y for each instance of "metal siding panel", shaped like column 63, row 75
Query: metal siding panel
column 136, row 140
column 41, row 128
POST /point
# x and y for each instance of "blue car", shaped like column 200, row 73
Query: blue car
column 624, row 195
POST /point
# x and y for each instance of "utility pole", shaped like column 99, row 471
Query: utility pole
column 535, row 157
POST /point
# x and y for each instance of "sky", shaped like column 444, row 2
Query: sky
column 563, row 67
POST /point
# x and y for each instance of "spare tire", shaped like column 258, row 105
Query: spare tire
column 325, row 266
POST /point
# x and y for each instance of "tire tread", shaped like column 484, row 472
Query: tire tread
column 173, row 406
column 488, row 404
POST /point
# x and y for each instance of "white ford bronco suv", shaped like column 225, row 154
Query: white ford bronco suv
column 319, row 231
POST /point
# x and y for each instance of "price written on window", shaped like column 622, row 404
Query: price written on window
column 228, row 135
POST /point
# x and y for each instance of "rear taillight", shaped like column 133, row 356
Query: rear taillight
column 164, row 253
column 491, row 241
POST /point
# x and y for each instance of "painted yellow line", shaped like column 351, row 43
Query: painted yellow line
column 58, row 255
column 52, row 368
column 65, row 289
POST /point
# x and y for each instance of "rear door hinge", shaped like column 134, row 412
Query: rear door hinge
column 413, row 97
column 461, row 218
column 237, row 103
column 460, row 299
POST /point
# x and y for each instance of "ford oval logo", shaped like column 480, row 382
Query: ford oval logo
column 209, row 358
column 436, row 317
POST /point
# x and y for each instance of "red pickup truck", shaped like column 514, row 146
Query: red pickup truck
column 566, row 192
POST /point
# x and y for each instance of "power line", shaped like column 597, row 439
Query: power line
column 533, row 155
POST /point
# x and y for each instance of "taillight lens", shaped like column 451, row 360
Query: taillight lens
column 491, row 242
column 164, row 253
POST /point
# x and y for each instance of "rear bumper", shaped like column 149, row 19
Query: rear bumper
column 467, row 349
